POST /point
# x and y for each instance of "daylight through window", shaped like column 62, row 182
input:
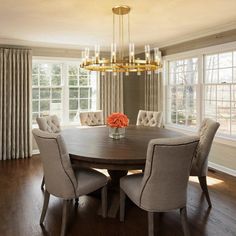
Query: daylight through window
column 62, row 88
column 216, row 97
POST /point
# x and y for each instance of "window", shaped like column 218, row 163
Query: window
column 47, row 89
column 182, row 86
column 202, row 85
column 220, row 90
column 82, row 92
column 62, row 88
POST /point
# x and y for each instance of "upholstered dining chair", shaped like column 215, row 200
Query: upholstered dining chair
column 149, row 118
column 206, row 133
column 163, row 185
column 49, row 124
column 61, row 180
column 91, row 118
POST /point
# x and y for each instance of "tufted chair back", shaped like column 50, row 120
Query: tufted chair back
column 59, row 176
column 91, row 118
column 165, row 179
column 149, row 118
column 50, row 124
column 207, row 133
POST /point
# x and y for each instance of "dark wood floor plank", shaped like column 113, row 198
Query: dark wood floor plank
column 21, row 201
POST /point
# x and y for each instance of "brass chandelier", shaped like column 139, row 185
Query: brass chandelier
column 118, row 61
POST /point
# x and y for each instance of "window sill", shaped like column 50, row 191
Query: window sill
column 191, row 131
column 64, row 125
column 181, row 129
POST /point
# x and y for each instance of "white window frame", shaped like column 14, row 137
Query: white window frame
column 184, row 127
column 65, row 86
column 199, row 53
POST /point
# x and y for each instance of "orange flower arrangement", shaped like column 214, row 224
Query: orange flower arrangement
column 117, row 120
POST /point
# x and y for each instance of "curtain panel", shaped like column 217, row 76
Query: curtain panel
column 111, row 93
column 154, row 89
column 153, row 92
column 15, row 103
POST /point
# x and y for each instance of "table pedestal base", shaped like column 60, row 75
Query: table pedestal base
column 115, row 177
column 114, row 191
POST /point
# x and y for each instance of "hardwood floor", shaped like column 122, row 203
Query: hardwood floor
column 21, row 201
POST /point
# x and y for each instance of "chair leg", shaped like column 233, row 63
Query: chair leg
column 122, row 205
column 150, row 223
column 64, row 217
column 184, row 221
column 42, row 184
column 45, row 206
column 76, row 201
column 104, row 201
column 203, row 184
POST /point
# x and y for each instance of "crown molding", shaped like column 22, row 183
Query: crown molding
column 196, row 35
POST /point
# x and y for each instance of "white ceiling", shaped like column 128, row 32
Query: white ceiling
column 76, row 23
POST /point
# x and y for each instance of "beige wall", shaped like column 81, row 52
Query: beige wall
column 56, row 52
column 60, row 52
column 211, row 40
column 223, row 155
column 133, row 96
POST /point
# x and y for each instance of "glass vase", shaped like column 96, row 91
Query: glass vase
column 116, row 133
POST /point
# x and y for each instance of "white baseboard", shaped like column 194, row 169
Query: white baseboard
column 35, row 151
column 222, row 168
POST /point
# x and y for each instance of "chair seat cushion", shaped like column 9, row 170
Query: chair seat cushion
column 89, row 180
column 131, row 185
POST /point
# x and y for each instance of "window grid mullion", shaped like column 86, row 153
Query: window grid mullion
column 200, row 95
column 230, row 124
column 65, row 104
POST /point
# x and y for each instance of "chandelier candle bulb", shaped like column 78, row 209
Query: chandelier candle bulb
column 157, row 54
column 131, row 53
column 83, row 57
column 147, row 54
column 113, row 53
column 86, row 55
column 97, row 53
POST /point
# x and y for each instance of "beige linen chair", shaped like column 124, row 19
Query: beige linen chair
column 163, row 185
column 50, row 124
column 149, row 118
column 91, row 118
column 61, row 180
column 207, row 133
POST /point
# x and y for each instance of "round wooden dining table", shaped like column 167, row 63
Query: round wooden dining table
column 92, row 147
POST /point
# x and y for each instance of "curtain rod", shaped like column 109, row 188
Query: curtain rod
column 14, row 47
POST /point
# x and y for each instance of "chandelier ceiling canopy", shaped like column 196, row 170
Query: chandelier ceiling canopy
column 118, row 61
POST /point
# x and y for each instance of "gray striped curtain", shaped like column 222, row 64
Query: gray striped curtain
column 154, row 92
column 15, row 103
column 111, row 93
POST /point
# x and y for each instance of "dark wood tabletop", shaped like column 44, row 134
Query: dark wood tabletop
column 92, row 147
